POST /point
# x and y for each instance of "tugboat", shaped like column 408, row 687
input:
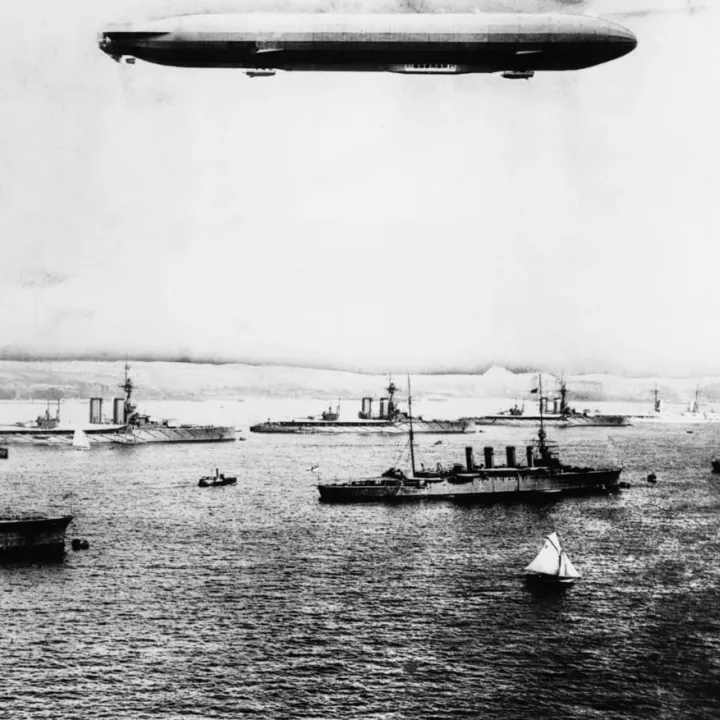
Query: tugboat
column 543, row 475
column 389, row 419
column 26, row 537
column 216, row 480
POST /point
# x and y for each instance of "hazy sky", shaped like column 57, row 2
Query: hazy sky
column 374, row 222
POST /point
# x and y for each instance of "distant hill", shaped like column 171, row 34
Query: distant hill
column 22, row 380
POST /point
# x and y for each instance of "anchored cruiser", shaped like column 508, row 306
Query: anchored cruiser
column 560, row 414
column 542, row 475
column 389, row 419
column 127, row 427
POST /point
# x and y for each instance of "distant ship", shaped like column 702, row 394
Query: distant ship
column 32, row 537
column 543, row 475
column 390, row 419
column 693, row 414
column 128, row 427
column 561, row 414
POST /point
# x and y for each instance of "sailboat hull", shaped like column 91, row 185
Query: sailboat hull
column 540, row 579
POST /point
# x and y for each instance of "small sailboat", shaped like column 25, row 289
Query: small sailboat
column 80, row 440
column 552, row 565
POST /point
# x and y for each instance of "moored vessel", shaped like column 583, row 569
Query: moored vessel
column 32, row 537
column 693, row 414
column 127, row 426
column 388, row 419
column 541, row 476
column 560, row 413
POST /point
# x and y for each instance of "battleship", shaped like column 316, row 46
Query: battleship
column 26, row 537
column 560, row 414
column 693, row 413
column 127, row 426
column 542, row 476
column 389, row 419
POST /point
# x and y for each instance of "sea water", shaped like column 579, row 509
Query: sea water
column 258, row 600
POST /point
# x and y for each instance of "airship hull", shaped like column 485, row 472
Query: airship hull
column 431, row 44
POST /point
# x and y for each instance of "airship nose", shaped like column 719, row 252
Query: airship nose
column 105, row 42
column 623, row 37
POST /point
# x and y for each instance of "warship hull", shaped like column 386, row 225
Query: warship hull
column 679, row 419
column 24, row 538
column 391, row 427
column 120, row 434
column 506, row 484
column 554, row 420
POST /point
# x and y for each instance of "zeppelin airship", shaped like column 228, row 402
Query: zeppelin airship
column 515, row 45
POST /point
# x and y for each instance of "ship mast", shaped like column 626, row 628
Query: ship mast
column 542, row 445
column 563, row 396
column 412, row 437
column 391, row 409
column 127, row 386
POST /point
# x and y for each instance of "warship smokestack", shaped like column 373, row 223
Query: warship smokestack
column 95, row 411
column 469, row 459
column 119, row 411
column 366, row 408
column 489, row 457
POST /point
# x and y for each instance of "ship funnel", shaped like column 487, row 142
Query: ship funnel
column 556, row 405
column 511, row 457
column 119, row 411
column 530, row 455
column 366, row 408
column 489, row 457
column 469, row 459
column 95, row 411
column 383, row 408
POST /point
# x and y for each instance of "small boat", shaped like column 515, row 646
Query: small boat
column 716, row 466
column 216, row 480
column 552, row 565
column 80, row 440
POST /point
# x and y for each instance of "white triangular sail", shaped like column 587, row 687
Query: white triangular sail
column 567, row 569
column 80, row 440
column 547, row 561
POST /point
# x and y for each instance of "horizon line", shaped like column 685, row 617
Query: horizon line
column 187, row 359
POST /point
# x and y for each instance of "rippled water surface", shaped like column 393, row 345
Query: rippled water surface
column 258, row 600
